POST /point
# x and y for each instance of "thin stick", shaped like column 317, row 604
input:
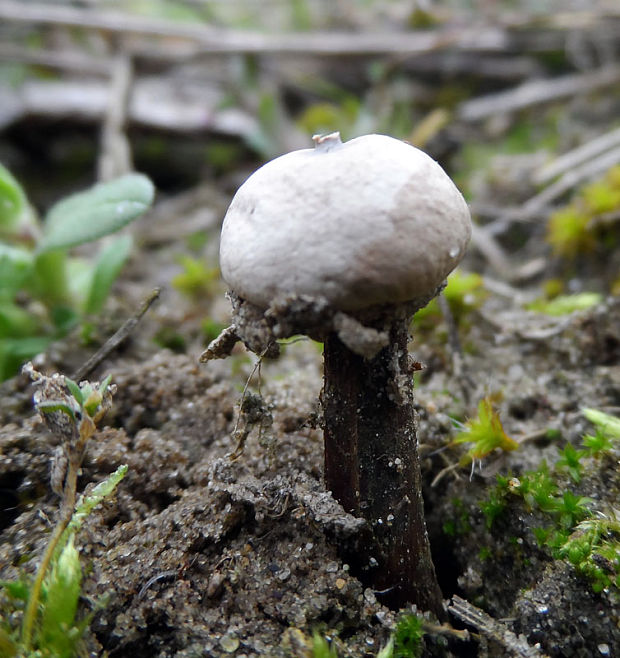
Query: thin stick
column 115, row 156
column 114, row 341
column 207, row 39
column 577, row 156
column 65, row 60
column 514, row 646
column 537, row 92
column 569, row 180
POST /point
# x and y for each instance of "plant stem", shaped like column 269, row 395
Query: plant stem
column 372, row 466
column 51, row 278
column 68, row 505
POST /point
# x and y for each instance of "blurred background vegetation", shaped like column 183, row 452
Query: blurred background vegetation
column 518, row 100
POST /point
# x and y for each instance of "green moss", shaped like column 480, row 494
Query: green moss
column 594, row 550
column 495, row 505
column 572, row 529
column 408, row 637
column 570, row 458
column 459, row 524
column 566, row 304
column 197, row 280
column 485, row 553
column 580, row 226
column 485, row 433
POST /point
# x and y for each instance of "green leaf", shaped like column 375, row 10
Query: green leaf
column 53, row 406
column 16, row 265
column 86, row 504
column 608, row 424
column 13, row 201
column 60, row 606
column 49, row 283
column 566, row 304
column 108, row 267
column 103, row 387
column 75, row 390
column 103, row 209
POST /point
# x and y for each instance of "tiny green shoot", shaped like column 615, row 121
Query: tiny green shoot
column 570, row 458
column 485, row 433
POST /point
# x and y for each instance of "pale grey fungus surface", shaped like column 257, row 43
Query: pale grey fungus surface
column 370, row 221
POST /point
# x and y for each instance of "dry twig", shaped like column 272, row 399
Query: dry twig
column 206, row 39
column 512, row 645
column 115, row 155
column 536, row 92
column 577, row 156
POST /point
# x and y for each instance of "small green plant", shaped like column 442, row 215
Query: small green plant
column 581, row 226
column 485, row 432
column 44, row 292
column 50, row 600
column 597, row 443
column 571, row 460
column 408, row 637
column 537, row 488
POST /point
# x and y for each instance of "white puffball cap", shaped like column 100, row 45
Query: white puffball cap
column 370, row 221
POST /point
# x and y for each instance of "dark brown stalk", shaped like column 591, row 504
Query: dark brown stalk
column 372, row 466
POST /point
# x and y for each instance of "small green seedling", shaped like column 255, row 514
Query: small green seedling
column 44, row 292
column 570, row 458
column 50, row 601
column 485, row 433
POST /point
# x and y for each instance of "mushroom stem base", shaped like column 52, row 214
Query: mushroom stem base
column 372, row 467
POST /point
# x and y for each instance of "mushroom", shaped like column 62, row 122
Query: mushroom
column 343, row 243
